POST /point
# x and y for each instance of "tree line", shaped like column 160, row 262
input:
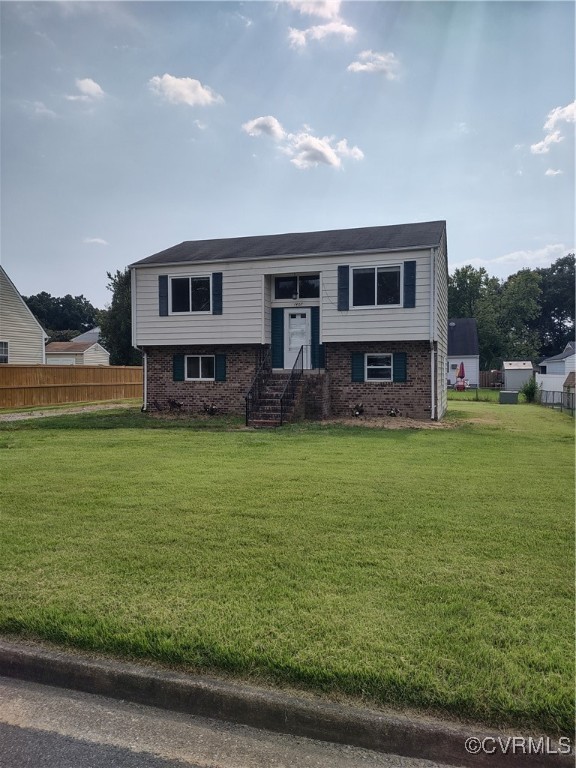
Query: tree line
column 64, row 318
column 528, row 316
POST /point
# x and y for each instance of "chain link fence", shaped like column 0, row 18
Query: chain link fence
column 562, row 401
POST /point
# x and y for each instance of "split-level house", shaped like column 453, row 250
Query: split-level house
column 329, row 323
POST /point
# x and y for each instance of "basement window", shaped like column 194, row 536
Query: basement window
column 199, row 367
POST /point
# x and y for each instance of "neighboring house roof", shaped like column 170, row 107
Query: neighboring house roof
column 397, row 237
column 462, row 337
column 517, row 365
column 93, row 335
column 19, row 295
column 569, row 350
column 570, row 380
column 69, row 347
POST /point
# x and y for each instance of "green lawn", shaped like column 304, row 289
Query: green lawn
column 486, row 395
column 427, row 569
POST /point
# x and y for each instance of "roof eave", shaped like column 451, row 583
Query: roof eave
column 317, row 254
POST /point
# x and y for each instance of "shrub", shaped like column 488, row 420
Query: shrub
column 530, row 390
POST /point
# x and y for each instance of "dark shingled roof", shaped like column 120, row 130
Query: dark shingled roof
column 569, row 350
column 423, row 235
column 462, row 336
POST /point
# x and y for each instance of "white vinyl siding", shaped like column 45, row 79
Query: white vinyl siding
column 246, row 312
column 19, row 327
column 440, row 326
column 96, row 355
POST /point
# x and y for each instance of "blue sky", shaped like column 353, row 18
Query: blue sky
column 129, row 127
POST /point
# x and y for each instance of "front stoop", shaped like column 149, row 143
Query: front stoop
column 266, row 414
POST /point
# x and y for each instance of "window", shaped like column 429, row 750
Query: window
column 297, row 287
column 3, row 351
column 378, row 368
column 189, row 294
column 199, row 368
column 376, row 286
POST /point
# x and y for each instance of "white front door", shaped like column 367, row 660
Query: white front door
column 296, row 334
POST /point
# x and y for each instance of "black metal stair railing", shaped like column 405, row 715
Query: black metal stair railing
column 254, row 393
column 289, row 393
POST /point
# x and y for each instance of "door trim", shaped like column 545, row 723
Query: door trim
column 288, row 356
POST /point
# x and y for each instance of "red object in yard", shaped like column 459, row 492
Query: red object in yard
column 461, row 373
column 460, row 386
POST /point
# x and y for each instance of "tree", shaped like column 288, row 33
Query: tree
column 70, row 314
column 465, row 289
column 519, row 308
column 555, row 324
column 116, row 322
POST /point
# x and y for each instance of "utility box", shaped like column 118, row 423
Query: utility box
column 508, row 398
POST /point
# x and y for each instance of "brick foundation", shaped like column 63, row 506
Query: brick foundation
column 227, row 396
column 332, row 394
column 412, row 397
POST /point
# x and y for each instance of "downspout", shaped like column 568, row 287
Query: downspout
column 145, row 380
column 432, row 350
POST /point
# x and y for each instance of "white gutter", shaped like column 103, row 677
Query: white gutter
column 145, row 380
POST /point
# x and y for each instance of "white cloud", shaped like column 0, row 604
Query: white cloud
column 543, row 147
column 324, row 9
column 200, row 125
column 552, row 172
column 370, row 61
column 38, row 108
column 300, row 37
column 89, row 89
column 95, row 241
column 265, row 126
column 303, row 148
column 509, row 263
column 565, row 114
column 553, row 135
column 184, row 90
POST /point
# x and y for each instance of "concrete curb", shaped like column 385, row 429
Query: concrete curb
column 209, row 697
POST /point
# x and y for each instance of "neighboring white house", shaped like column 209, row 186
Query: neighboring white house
column 364, row 309
column 516, row 373
column 554, row 370
column 463, row 348
column 22, row 338
column 76, row 353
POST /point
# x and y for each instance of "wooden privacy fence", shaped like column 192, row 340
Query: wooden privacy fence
column 25, row 385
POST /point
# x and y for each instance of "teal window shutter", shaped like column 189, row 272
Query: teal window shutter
column 399, row 371
column 409, row 284
column 343, row 288
column 178, row 367
column 162, row 295
column 220, row 368
column 217, row 293
column 315, row 337
column 357, row 366
column 277, row 337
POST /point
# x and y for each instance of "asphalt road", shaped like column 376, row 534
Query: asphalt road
column 45, row 727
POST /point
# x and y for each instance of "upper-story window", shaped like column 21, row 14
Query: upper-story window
column 297, row 287
column 190, row 294
column 376, row 286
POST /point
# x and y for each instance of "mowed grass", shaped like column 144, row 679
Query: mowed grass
column 420, row 569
